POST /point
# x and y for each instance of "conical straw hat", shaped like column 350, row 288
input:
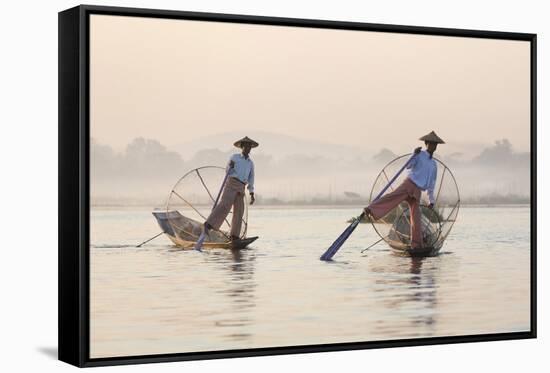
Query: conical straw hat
column 432, row 137
column 246, row 139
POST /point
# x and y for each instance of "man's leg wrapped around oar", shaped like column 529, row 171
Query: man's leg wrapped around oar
column 400, row 196
column 409, row 192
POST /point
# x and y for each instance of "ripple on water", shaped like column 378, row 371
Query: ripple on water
column 159, row 299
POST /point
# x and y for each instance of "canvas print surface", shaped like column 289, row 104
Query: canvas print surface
column 264, row 186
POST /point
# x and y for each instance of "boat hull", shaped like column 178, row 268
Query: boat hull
column 423, row 252
column 230, row 245
column 399, row 237
column 184, row 232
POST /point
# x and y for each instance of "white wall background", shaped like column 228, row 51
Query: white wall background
column 28, row 169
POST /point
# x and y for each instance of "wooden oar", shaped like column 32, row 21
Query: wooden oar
column 336, row 245
column 202, row 237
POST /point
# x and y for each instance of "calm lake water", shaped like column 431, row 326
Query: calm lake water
column 159, row 299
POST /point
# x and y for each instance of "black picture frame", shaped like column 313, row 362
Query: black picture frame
column 74, row 186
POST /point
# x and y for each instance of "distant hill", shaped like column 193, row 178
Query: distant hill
column 276, row 145
column 384, row 156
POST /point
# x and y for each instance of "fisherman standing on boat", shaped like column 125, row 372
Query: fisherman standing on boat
column 240, row 174
column 422, row 176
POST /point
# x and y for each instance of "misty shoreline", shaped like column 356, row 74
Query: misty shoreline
column 298, row 206
column 314, row 175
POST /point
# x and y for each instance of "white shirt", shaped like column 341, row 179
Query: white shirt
column 242, row 170
column 423, row 172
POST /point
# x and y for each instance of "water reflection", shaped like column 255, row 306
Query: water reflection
column 409, row 287
column 424, row 292
column 238, row 266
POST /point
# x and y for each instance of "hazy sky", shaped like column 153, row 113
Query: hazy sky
column 177, row 81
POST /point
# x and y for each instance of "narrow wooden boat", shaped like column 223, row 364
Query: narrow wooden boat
column 405, row 250
column 399, row 237
column 184, row 232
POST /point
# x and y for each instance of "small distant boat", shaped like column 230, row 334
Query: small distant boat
column 184, row 232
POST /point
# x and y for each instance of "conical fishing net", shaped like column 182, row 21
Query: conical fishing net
column 190, row 202
column 436, row 224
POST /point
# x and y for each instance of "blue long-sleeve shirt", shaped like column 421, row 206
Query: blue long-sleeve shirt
column 243, row 170
column 423, row 172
